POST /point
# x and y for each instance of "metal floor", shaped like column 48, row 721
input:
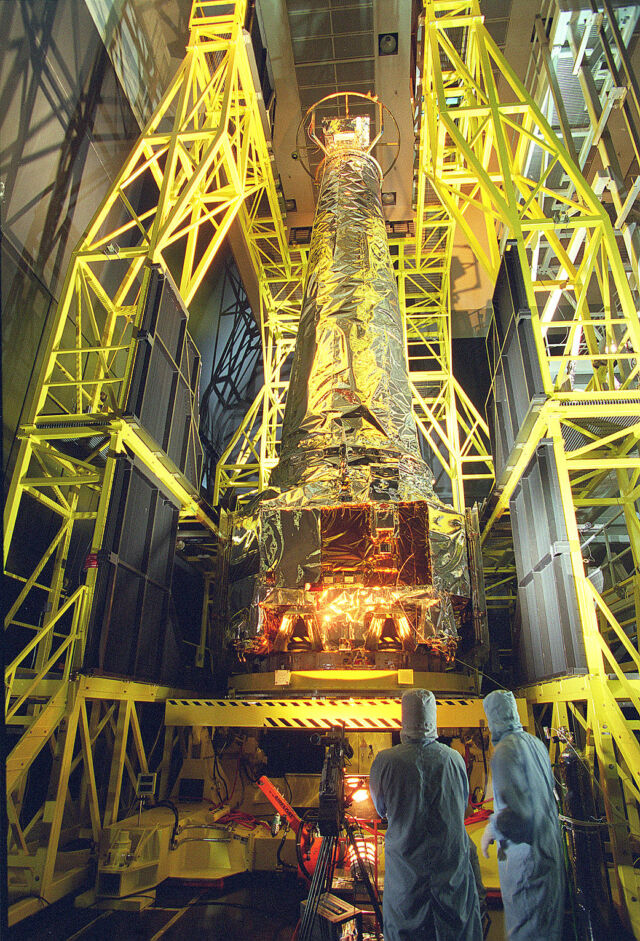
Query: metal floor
column 258, row 907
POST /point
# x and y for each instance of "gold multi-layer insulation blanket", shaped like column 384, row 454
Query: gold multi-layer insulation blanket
column 349, row 430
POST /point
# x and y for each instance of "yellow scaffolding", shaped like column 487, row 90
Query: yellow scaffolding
column 495, row 156
column 205, row 157
column 202, row 161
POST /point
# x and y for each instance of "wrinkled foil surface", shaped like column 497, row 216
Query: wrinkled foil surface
column 349, row 432
column 448, row 549
column 355, row 549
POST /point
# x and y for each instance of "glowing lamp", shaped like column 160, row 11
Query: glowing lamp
column 359, row 795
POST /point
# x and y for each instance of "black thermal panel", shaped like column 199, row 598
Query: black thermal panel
column 549, row 641
column 291, row 751
column 515, row 366
column 131, row 631
column 164, row 395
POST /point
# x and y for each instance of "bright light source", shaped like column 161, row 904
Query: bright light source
column 362, row 794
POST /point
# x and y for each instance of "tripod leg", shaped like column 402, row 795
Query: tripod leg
column 321, row 876
column 373, row 898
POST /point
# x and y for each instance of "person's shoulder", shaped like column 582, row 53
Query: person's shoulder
column 452, row 756
column 385, row 755
column 396, row 754
column 539, row 745
column 508, row 748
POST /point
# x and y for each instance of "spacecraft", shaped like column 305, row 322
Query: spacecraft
column 357, row 562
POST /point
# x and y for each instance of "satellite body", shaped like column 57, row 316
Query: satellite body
column 360, row 563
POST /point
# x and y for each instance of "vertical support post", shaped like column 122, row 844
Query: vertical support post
column 89, row 781
column 165, row 767
column 58, row 786
column 204, row 622
column 556, row 94
column 117, row 763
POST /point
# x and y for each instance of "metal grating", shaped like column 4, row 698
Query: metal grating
column 333, row 48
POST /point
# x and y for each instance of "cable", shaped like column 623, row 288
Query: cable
column 240, row 819
column 279, row 859
column 252, row 779
column 311, row 811
column 155, row 743
column 235, row 780
column 596, row 782
column 479, row 672
column 171, row 806
column 32, row 895
column 217, row 772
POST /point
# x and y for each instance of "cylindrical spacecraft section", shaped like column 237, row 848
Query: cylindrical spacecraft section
column 349, row 398
column 360, row 564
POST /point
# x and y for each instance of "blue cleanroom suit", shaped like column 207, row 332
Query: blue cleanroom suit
column 525, row 825
column 421, row 787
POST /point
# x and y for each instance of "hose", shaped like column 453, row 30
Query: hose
column 171, row 806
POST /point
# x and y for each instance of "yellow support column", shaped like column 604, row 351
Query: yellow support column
column 202, row 161
column 498, row 157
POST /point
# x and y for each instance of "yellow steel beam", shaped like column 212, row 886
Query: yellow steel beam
column 497, row 155
column 352, row 713
column 357, row 682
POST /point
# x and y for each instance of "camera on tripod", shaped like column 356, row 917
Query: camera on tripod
column 331, row 803
column 324, row 915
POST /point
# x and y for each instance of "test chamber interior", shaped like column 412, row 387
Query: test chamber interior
column 231, row 829
column 607, row 352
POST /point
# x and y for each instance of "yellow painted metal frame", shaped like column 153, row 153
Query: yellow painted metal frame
column 202, row 161
column 477, row 157
column 381, row 714
column 205, row 155
column 81, row 718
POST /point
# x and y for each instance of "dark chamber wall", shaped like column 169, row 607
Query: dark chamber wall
column 66, row 128
column 548, row 635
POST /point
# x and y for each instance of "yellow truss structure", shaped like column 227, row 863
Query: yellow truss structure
column 493, row 155
column 204, row 160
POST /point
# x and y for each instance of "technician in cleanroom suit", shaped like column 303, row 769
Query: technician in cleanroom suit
column 421, row 787
column 525, row 826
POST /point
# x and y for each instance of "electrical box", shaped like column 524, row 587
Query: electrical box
column 145, row 785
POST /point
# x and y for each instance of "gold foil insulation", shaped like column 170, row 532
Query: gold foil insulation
column 348, row 431
column 358, row 558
